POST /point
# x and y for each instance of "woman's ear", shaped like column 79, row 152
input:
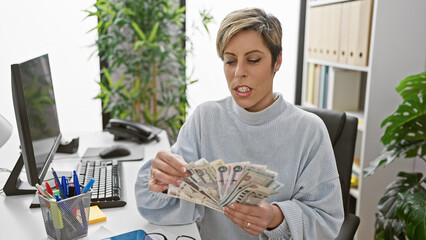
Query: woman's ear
column 278, row 62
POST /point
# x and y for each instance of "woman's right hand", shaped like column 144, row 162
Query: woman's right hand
column 166, row 168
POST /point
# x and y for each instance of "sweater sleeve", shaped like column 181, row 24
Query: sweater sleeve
column 315, row 210
column 159, row 208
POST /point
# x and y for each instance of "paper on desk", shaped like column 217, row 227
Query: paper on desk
column 101, row 233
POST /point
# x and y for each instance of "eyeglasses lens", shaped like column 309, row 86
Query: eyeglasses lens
column 159, row 236
column 183, row 237
column 155, row 236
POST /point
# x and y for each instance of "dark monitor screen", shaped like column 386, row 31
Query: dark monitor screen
column 36, row 115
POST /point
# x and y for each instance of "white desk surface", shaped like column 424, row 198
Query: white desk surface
column 18, row 221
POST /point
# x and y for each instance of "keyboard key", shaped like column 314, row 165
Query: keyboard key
column 107, row 190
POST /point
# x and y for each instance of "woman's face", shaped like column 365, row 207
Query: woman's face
column 249, row 72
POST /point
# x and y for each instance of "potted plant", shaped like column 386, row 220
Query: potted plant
column 402, row 210
column 142, row 49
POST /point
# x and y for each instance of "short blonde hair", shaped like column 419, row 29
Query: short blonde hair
column 268, row 27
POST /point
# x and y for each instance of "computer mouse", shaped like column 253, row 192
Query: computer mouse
column 114, row 151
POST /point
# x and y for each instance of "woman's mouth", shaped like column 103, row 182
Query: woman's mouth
column 242, row 91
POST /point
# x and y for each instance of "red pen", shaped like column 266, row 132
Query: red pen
column 56, row 184
column 48, row 188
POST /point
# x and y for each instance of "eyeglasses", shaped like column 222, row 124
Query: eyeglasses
column 159, row 236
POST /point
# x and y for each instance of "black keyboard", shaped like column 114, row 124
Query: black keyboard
column 108, row 190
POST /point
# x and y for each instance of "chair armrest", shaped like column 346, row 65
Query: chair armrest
column 349, row 227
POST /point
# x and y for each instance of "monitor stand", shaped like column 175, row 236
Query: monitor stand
column 14, row 185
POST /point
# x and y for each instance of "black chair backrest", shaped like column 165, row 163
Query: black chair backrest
column 342, row 129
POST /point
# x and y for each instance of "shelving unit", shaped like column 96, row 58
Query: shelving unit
column 390, row 49
column 338, row 65
column 324, row 2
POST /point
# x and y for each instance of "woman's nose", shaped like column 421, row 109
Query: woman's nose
column 240, row 71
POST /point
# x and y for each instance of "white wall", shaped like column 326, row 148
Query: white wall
column 32, row 28
column 206, row 66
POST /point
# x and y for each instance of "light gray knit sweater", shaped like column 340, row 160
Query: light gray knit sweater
column 290, row 141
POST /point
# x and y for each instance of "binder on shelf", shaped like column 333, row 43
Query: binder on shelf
column 359, row 32
column 344, row 33
column 316, row 84
column 320, row 30
column 340, row 32
column 310, row 90
column 330, row 87
column 346, row 91
column 321, row 87
column 324, row 84
column 324, row 32
column 314, row 32
column 331, row 38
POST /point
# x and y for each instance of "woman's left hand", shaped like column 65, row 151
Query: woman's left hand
column 254, row 219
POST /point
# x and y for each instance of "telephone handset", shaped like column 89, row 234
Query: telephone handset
column 135, row 131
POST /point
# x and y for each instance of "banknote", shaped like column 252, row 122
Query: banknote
column 250, row 195
column 250, row 176
column 222, row 179
column 206, row 173
column 186, row 192
column 216, row 184
column 235, row 172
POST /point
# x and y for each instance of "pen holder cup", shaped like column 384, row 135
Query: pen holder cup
column 68, row 218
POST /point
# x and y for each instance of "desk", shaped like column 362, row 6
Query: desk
column 18, row 221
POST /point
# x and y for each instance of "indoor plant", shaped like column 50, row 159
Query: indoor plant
column 142, row 50
column 402, row 209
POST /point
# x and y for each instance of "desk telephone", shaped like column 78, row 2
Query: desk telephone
column 135, row 131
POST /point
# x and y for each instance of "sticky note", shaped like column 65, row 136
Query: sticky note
column 96, row 215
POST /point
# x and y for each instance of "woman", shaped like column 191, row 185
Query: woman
column 253, row 125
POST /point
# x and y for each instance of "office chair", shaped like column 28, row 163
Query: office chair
column 342, row 130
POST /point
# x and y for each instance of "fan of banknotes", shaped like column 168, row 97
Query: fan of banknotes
column 216, row 184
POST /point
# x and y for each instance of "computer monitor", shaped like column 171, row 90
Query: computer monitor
column 37, row 122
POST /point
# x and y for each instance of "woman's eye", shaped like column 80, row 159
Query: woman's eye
column 230, row 62
column 254, row 60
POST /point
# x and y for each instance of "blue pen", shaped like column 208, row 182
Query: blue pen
column 61, row 190
column 67, row 187
column 89, row 185
column 76, row 183
column 57, row 198
column 64, row 187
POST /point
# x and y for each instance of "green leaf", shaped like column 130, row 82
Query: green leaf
column 153, row 32
column 409, row 120
column 107, row 10
column 389, row 224
column 147, row 114
column 107, row 24
column 393, row 151
column 405, row 132
column 139, row 31
column 412, row 210
column 119, row 83
column 106, row 100
column 107, row 76
column 411, row 85
column 181, row 10
column 206, row 18
column 139, row 44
